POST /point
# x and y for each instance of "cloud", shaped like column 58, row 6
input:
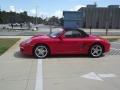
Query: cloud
column 77, row 7
column 73, row 0
column 93, row 0
column 12, row 8
column 58, row 13
column 19, row 11
column 43, row 14
column 33, row 12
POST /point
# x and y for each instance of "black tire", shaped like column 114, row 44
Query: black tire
column 96, row 51
column 41, row 51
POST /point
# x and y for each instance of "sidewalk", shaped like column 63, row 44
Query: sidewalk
column 111, row 37
column 25, row 37
column 17, row 72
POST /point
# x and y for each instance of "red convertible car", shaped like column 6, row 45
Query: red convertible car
column 67, row 41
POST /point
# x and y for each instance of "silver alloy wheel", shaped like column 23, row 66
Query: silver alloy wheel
column 41, row 51
column 96, row 50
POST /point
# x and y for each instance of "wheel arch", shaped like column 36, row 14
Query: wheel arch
column 41, row 44
column 98, row 43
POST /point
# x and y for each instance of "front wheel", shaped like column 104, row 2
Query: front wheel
column 96, row 51
column 41, row 51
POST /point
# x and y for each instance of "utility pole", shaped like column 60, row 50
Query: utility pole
column 0, row 8
column 36, row 16
column 107, row 24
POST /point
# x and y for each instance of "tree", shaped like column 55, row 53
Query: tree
column 61, row 21
column 53, row 21
column 13, row 17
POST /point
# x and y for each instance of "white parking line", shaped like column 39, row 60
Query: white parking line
column 114, row 49
column 115, row 42
column 39, row 76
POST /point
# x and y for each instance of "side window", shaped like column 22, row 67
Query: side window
column 76, row 34
column 68, row 34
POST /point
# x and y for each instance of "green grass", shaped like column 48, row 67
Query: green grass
column 112, row 39
column 6, row 43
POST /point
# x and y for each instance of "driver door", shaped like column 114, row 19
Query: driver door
column 71, row 42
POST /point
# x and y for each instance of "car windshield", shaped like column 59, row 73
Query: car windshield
column 55, row 34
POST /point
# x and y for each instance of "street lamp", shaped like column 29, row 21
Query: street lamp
column 36, row 17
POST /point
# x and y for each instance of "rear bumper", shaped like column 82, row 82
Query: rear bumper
column 107, row 47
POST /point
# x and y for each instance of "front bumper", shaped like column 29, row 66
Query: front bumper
column 26, row 49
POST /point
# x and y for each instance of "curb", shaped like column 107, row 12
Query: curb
column 114, row 37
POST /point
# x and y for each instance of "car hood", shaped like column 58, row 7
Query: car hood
column 42, row 36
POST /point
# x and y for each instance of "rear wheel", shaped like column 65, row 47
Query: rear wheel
column 96, row 50
column 41, row 51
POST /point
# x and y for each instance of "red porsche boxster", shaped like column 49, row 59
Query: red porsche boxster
column 66, row 41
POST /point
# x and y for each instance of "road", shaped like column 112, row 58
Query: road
column 18, row 72
column 17, row 31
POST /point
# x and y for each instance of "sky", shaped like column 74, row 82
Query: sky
column 47, row 8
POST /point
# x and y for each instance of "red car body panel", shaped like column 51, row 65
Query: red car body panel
column 64, row 45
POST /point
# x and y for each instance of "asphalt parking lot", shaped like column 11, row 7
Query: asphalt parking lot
column 18, row 72
column 17, row 31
